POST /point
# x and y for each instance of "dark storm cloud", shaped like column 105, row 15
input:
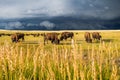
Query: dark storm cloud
column 105, row 9
column 97, row 8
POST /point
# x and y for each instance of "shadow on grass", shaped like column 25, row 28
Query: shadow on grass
column 31, row 42
column 107, row 40
column 67, row 42
column 64, row 44
column 103, row 40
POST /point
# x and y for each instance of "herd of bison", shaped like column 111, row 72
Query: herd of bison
column 53, row 37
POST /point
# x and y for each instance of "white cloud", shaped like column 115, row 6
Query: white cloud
column 13, row 25
column 47, row 24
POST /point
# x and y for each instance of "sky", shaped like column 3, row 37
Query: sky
column 102, row 9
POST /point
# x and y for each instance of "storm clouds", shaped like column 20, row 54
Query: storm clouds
column 103, row 9
column 59, row 14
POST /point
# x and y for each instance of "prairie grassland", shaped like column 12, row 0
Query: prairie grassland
column 31, row 60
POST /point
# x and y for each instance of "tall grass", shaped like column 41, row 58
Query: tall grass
column 59, row 62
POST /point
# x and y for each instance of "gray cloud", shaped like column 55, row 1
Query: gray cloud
column 47, row 24
column 105, row 9
column 31, row 24
column 12, row 25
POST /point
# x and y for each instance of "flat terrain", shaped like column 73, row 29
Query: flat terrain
column 32, row 60
column 107, row 37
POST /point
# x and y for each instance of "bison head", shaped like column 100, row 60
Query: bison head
column 57, row 41
column 14, row 40
column 61, row 38
column 99, row 37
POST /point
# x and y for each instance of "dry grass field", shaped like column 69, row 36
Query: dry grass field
column 32, row 60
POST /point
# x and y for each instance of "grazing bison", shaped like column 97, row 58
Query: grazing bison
column 96, row 35
column 8, row 34
column 27, row 34
column 53, row 37
column 15, row 37
column 36, row 35
column 88, row 37
column 65, row 35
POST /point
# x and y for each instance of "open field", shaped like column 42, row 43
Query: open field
column 32, row 60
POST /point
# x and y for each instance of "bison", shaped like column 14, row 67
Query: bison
column 36, row 35
column 88, row 37
column 15, row 37
column 65, row 35
column 53, row 37
column 96, row 35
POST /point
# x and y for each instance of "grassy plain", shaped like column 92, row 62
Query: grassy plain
column 31, row 60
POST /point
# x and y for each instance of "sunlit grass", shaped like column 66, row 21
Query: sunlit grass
column 31, row 60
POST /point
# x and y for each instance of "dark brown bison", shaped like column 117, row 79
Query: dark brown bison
column 53, row 37
column 15, row 37
column 27, row 34
column 2, row 34
column 36, row 35
column 42, row 34
column 8, row 34
column 65, row 35
column 96, row 35
column 88, row 37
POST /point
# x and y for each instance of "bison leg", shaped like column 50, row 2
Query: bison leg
column 17, row 40
column 86, row 40
column 13, row 40
column 45, row 41
column 52, row 41
column 23, row 39
column 71, row 37
column 56, row 41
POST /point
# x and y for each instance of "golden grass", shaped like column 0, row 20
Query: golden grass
column 77, row 61
column 61, row 62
